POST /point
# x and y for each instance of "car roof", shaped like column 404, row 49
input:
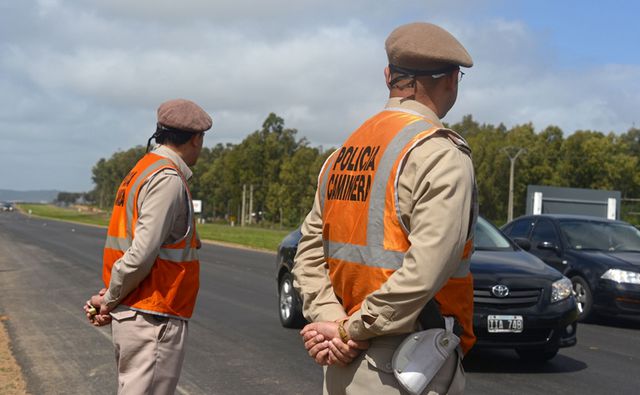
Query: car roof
column 573, row 217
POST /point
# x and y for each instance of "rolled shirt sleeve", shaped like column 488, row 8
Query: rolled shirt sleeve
column 160, row 202
column 437, row 183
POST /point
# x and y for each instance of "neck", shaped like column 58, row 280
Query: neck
column 418, row 96
column 182, row 153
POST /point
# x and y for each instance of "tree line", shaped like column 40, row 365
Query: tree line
column 283, row 169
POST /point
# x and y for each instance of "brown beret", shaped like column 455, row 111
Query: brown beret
column 183, row 115
column 419, row 46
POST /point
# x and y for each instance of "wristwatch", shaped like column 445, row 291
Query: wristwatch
column 344, row 335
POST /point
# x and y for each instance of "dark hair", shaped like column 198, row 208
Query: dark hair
column 172, row 136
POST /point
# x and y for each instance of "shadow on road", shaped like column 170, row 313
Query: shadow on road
column 507, row 361
column 618, row 322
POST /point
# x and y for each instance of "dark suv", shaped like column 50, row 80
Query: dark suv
column 600, row 256
column 519, row 302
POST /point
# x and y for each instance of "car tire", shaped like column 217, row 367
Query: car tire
column 537, row 355
column 584, row 297
column 288, row 303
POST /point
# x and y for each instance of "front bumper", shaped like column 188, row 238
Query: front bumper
column 611, row 298
column 550, row 326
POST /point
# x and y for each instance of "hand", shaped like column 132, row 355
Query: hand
column 96, row 302
column 322, row 341
column 316, row 345
column 342, row 354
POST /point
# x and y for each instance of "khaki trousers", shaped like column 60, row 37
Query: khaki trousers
column 371, row 373
column 149, row 352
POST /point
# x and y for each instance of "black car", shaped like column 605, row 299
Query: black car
column 6, row 206
column 519, row 302
column 600, row 256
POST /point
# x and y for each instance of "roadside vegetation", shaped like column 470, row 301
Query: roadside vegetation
column 249, row 236
column 276, row 172
column 11, row 378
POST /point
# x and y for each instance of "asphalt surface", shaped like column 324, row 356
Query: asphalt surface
column 236, row 344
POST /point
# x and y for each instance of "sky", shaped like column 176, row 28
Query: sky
column 80, row 80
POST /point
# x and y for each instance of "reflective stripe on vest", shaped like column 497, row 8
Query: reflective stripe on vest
column 382, row 249
column 171, row 287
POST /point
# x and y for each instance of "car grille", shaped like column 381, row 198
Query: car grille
column 516, row 297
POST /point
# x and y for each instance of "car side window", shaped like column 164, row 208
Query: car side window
column 544, row 231
column 519, row 228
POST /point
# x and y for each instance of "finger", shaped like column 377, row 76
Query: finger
column 359, row 344
column 309, row 335
column 308, row 327
column 321, row 357
column 313, row 351
column 340, row 351
column 313, row 341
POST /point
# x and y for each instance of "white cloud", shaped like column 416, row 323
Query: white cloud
column 86, row 77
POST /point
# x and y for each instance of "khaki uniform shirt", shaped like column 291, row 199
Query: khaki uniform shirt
column 435, row 192
column 163, row 217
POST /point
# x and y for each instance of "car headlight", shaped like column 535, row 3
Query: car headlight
column 622, row 276
column 561, row 290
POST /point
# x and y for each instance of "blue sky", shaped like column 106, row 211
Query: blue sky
column 80, row 80
column 582, row 33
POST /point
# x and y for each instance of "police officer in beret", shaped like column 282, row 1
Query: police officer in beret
column 150, row 259
column 385, row 249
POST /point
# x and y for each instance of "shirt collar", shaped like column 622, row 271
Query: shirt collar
column 413, row 107
column 170, row 154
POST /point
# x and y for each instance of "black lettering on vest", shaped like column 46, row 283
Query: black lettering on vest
column 366, row 153
column 352, row 163
column 339, row 158
column 372, row 159
column 128, row 178
column 346, row 158
column 360, row 196
column 120, row 197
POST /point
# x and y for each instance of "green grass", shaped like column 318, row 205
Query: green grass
column 262, row 238
column 267, row 239
column 65, row 214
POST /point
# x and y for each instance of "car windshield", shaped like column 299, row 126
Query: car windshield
column 600, row 236
column 487, row 237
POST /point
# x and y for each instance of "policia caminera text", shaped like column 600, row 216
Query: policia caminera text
column 351, row 174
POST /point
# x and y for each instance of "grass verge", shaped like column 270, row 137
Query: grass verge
column 11, row 379
column 254, row 237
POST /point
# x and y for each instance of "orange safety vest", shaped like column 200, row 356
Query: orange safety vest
column 364, row 237
column 171, row 287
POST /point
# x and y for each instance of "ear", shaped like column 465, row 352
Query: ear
column 387, row 76
column 194, row 139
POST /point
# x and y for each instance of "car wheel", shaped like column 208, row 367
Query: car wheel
column 537, row 355
column 288, row 305
column 584, row 297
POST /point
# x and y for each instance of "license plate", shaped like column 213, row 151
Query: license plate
column 505, row 324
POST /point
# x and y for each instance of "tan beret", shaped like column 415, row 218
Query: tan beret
column 419, row 46
column 183, row 115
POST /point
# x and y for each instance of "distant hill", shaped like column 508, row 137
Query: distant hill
column 45, row 196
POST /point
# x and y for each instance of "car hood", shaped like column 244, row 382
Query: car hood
column 619, row 259
column 510, row 264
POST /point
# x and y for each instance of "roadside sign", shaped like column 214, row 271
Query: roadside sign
column 197, row 206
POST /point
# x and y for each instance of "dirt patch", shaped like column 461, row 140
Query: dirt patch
column 11, row 379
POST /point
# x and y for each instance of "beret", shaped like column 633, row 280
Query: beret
column 421, row 46
column 183, row 115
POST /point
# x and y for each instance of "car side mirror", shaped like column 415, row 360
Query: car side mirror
column 523, row 243
column 547, row 245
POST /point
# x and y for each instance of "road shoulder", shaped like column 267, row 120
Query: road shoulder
column 11, row 379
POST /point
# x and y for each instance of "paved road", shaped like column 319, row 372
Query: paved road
column 236, row 344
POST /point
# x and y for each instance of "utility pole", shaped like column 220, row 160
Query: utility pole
column 251, row 204
column 244, row 198
column 512, row 158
